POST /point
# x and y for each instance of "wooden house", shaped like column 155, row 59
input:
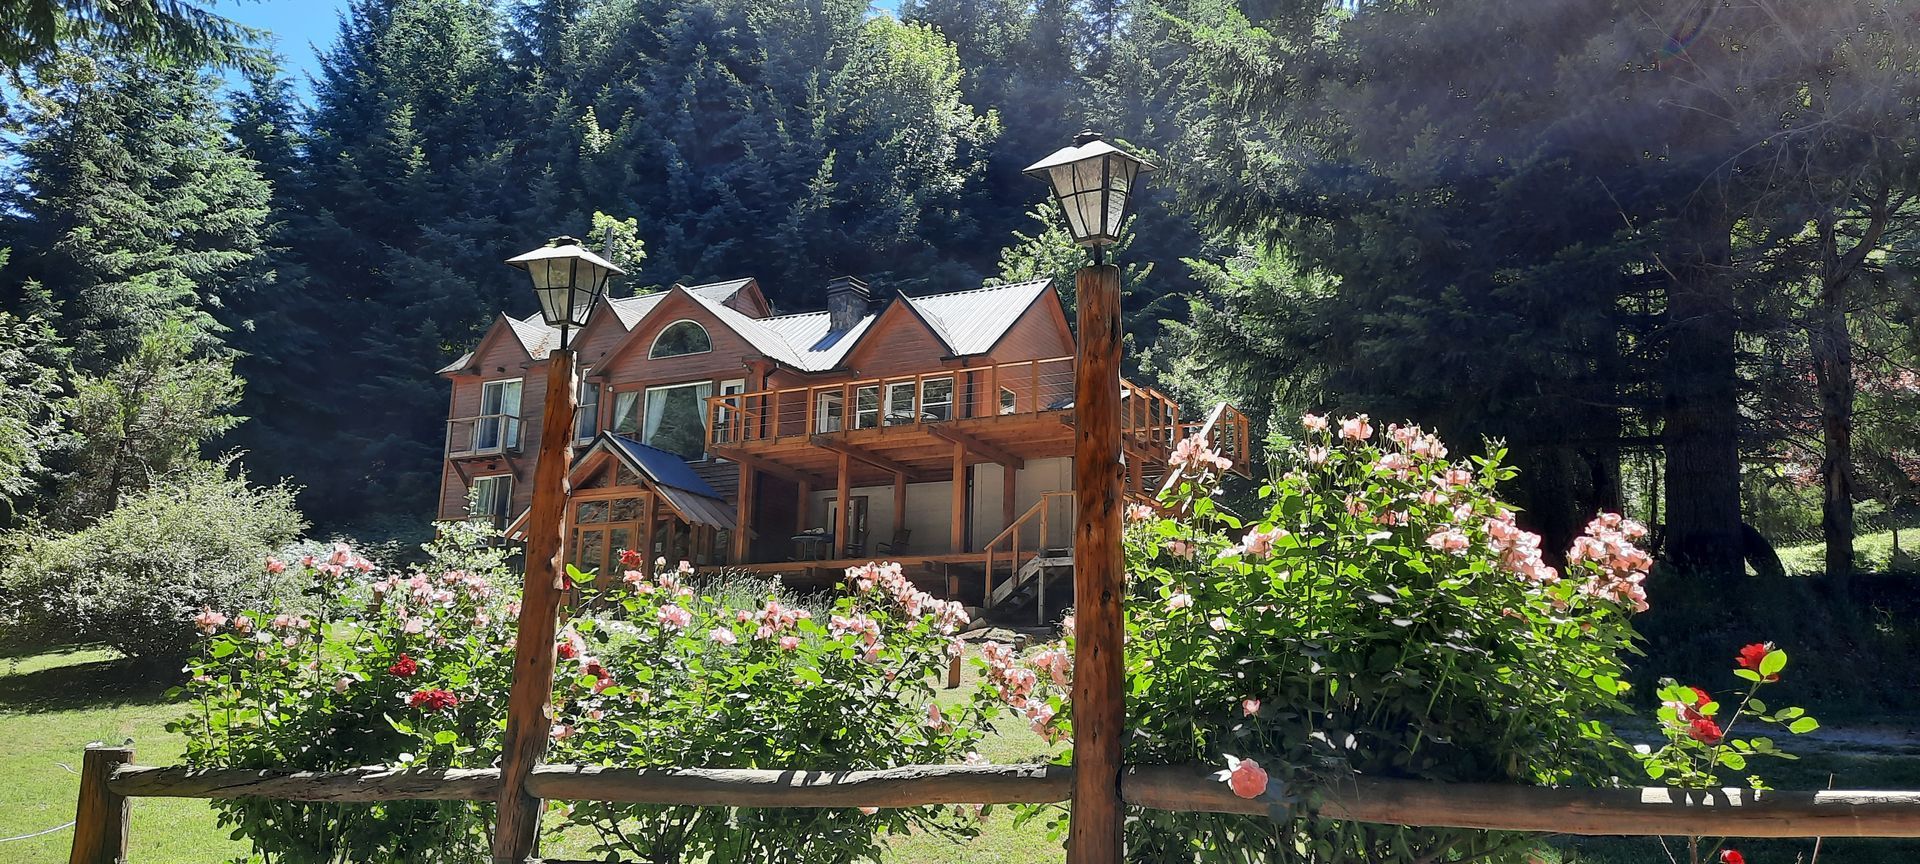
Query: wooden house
column 936, row 431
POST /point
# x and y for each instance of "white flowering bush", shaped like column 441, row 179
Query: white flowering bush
column 1383, row 614
column 681, row 679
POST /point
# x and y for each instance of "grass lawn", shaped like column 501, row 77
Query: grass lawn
column 1873, row 551
column 52, row 704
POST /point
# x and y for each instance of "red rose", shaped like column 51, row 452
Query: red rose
column 1729, row 856
column 403, row 667
column 631, row 559
column 1705, row 731
column 1700, row 697
column 566, row 649
column 433, row 700
column 1751, row 656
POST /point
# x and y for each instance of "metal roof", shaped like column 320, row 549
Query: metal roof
column 967, row 322
column 685, row 491
column 971, row 322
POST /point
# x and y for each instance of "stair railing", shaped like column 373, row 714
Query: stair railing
column 1038, row 516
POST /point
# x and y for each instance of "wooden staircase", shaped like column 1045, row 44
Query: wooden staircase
column 1029, row 565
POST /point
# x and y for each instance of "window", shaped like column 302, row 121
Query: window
column 676, row 419
column 829, row 410
column 680, row 338
column 936, row 399
column 498, row 426
column 725, row 416
column 586, row 422
column 1006, row 400
column 866, row 406
column 900, row 403
column 490, row 499
column 626, row 412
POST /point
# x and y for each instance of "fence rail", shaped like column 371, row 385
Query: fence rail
column 109, row 781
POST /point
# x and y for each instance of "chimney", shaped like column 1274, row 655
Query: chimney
column 847, row 303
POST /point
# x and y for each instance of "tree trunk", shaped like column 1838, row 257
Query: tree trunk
column 1701, row 406
column 1832, row 348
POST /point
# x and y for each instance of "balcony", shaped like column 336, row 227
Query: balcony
column 484, row 435
column 1023, row 389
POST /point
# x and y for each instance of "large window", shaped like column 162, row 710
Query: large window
column 586, row 423
column 498, row 426
column 491, row 499
column 866, row 406
column 680, row 338
column 829, row 411
column 936, row 399
column 675, row 418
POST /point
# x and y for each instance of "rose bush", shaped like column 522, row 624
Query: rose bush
column 367, row 668
column 680, row 679
column 1384, row 614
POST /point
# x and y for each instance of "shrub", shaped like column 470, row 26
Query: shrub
column 691, row 680
column 416, row 671
column 403, row 670
column 132, row 579
column 1382, row 614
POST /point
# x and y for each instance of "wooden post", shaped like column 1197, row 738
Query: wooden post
column 100, row 816
column 1009, row 490
column 841, row 494
column 649, row 514
column 958, row 541
column 1099, row 708
column 899, row 505
column 529, row 703
column 743, row 517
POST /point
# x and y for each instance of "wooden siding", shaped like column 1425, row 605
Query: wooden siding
column 1041, row 332
column 898, row 343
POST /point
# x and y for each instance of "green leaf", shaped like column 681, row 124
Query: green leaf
column 1771, row 664
column 1803, row 725
column 1733, row 760
column 445, row 736
column 1747, row 674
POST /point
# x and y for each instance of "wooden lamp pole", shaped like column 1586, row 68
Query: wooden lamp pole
column 529, row 713
column 1092, row 181
column 568, row 280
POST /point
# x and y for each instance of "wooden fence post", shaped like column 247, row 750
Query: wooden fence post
column 529, row 702
column 100, row 817
column 1099, row 708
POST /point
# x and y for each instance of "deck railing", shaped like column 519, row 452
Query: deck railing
column 109, row 780
column 484, row 435
column 1022, row 388
column 1046, row 526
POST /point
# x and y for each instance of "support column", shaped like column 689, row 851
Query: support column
column 899, row 504
column 1099, row 712
column 649, row 515
column 802, row 508
column 957, row 541
column 529, row 718
column 1009, row 489
column 743, row 517
column 840, row 520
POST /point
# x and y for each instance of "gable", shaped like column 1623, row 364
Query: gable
column 900, row 340
column 499, row 347
column 1041, row 332
column 629, row 361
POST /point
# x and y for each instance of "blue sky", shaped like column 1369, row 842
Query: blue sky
column 303, row 28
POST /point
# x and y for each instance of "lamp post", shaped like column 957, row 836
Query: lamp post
column 568, row 279
column 1093, row 183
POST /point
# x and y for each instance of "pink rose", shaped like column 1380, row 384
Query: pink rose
column 1249, row 707
column 1244, row 776
column 1356, row 428
column 1313, row 422
column 1180, row 600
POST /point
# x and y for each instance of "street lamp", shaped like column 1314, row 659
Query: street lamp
column 1093, row 183
column 568, row 280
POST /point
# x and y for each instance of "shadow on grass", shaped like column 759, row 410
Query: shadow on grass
column 82, row 684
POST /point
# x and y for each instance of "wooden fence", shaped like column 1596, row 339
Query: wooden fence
column 110, row 780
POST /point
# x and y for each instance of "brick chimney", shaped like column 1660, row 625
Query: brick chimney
column 847, row 303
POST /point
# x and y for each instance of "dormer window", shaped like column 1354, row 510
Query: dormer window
column 679, row 339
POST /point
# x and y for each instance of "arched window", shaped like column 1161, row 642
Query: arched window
column 680, row 337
